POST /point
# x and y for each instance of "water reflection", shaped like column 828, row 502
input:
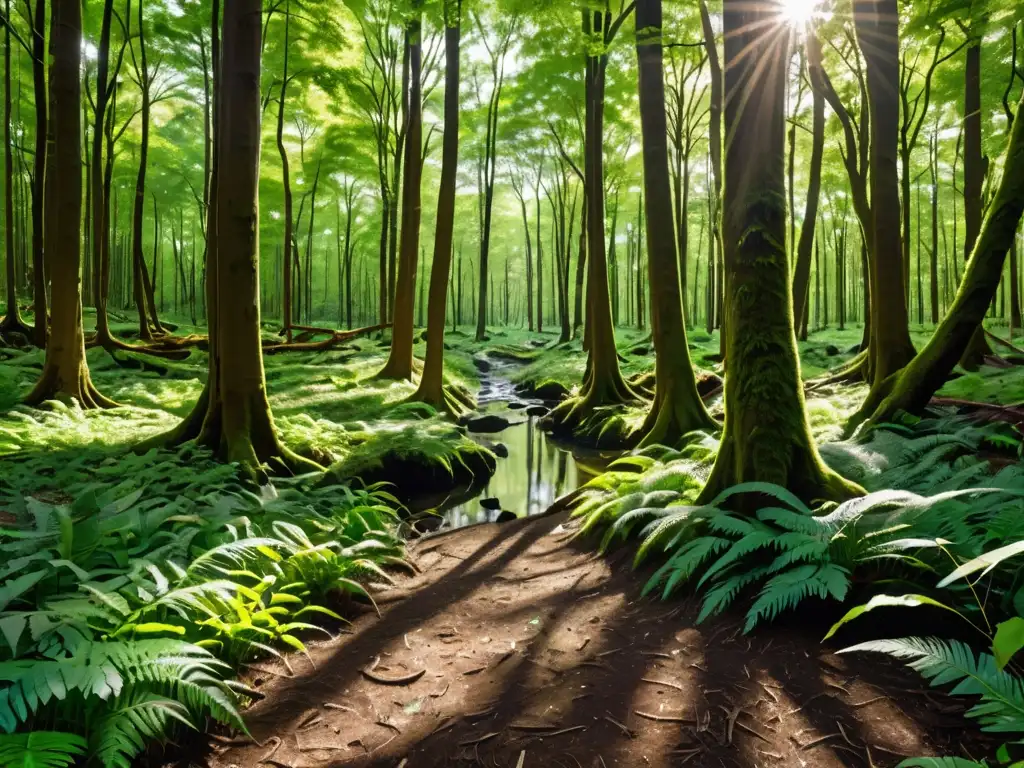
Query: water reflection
column 535, row 474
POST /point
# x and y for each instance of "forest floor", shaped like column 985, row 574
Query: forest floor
column 518, row 645
column 526, row 649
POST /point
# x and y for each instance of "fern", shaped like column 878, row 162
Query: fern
column 951, row 662
column 136, row 719
column 40, row 749
column 785, row 590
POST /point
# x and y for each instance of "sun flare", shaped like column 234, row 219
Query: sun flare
column 799, row 13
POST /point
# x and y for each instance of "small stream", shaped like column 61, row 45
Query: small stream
column 537, row 469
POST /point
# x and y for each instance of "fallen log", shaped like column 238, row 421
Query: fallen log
column 337, row 337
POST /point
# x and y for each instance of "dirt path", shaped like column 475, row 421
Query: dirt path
column 534, row 652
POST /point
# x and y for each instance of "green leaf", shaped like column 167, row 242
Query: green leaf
column 988, row 561
column 40, row 749
column 1008, row 640
column 884, row 601
column 12, row 626
column 15, row 588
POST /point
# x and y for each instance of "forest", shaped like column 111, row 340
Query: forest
column 576, row 383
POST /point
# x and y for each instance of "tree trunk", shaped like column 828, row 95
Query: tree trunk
column 12, row 322
column 100, row 203
column 933, row 161
column 65, row 371
column 877, row 30
column 928, row 371
column 233, row 415
column 540, row 263
column 400, row 361
column 802, row 276
column 766, row 437
column 677, row 408
column 140, row 277
column 289, row 232
column 974, row 179
column 38, row 176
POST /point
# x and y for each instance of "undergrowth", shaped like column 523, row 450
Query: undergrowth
column 135, row 587
column 942, row 490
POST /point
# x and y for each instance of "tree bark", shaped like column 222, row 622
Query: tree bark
column 677, row 408
column 400, row 360
column 233, row 415
column 974, row 179
column 38, row 31
column 802, row 276
column 766, row 437
column 877, row 29
column 12, row 322
column 289, row 232
column 65, row 371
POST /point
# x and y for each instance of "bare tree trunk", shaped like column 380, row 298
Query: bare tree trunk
column 65, row 371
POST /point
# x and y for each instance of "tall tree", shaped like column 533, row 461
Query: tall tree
column 677, row 408
column 12, row 322
column 877, row 27
column 766, row 437
column 802, row 275
column 431, row 387
column 233, row 414
column 145, row 79
column 928, row 371
column 290, row 248
column 603, row 384
column 400, row 361
column 497, row 53
column 65, row 371
column 975, row 169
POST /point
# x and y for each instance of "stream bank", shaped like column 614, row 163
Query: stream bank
column 533, row 469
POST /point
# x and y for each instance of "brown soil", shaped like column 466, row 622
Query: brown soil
column 518, row 647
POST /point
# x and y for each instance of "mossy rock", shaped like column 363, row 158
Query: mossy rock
column 550, row 390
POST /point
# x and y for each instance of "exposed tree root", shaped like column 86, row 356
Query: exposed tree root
column 219, row 428
column 155, row 349
column 51, row 386
column 12, row 324
column 853, row 371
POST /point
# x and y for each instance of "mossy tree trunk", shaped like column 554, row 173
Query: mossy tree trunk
column 400, row 362
column 766, row 435
column 431, row 388
column 65, row 372
column 928, row 371
column 677, row 407
column 233, row 415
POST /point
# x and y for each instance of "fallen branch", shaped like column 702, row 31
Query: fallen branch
column 406, row 680
column 1004, row 342
column 336, row 337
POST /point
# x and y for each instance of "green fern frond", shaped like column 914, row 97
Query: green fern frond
column 786, row 590
column 40, row 749
column 134, row 720
column 951, row 662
